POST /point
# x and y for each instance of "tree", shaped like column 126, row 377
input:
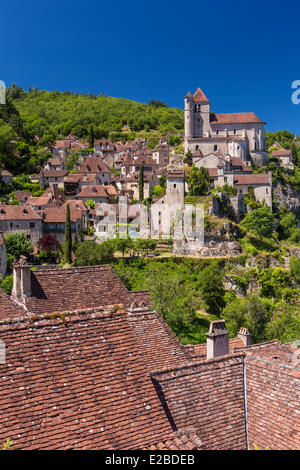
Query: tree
column 158, row 191
column 211, row 289
column 188, row 158
column 68, row 238
column 124, row 244
column 17, row 245
column 89, row 253
column 141, row 182
column 198, row 181
column 91, row 137
column 48, row 243
column 259, row 221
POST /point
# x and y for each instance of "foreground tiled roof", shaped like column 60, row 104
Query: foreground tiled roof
column 208, row 396
column 8, row 308
column 273, row 395
column 235, row 118
column 57, row 290
column 79, row 383
column 184, row 439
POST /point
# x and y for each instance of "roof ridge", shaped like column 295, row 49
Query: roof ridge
column 193, row 364
column 100, row 267
column 32, row 318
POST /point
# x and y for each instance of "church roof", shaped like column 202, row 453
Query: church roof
column 232, row 118
column 200, row 97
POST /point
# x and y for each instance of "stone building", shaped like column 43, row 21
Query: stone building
column 21, row 219
column 240, row 135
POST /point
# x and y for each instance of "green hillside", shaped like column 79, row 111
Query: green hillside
column 57, row 114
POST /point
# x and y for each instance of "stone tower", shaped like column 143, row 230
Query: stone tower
column 197, row 116
column 188, row 115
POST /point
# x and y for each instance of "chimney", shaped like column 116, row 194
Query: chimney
column 21, row 279
column 244, row 335
column 217, row 340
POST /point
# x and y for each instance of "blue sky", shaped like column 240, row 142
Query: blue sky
column 244, row 55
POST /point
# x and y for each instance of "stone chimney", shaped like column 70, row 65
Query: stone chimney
column 244, row 335
column 217, row 339
column 21, row 279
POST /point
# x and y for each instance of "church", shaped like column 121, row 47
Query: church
column 236, row 135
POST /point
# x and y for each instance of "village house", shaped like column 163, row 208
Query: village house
column 98, row 193
column 21, row 219
column 52, row 176
column 161, row 155
column 285, row 157
column 54, row 221
column 96, row 165
column 149, row 165
column 54, row 164
column 240, row 135
column 130, row 184
column 6, row 177
column 109, row 346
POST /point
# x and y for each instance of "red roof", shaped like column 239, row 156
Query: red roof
column 58, row 214
column 252, row 179
column 18, row 212
column 235, row 118
column 94, row 165
column 279, row 153
column 199, row 96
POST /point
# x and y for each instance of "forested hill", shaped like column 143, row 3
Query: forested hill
column 52, row 115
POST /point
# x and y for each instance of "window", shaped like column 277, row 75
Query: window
column 234, row 131
column 197, row 147
column 11, row 225
column 225, row 179
column 31, row 225
column 267, row 190
column 217, row 132
column 174, row 185
column 215, row 148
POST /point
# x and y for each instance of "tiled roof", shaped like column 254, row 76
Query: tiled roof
column 58, row 214
column 5, row 173
column 279, row 153
column 232, row 118
column 273, row 391
column 142, row 296
column 208, row 396
column 38, row 201
column 200, row 97
column 80, row 383
column 94, row 165
column 198, row 351
column 22, row 196
column 184, row 439
column 8, row 308
column 263, row 178
column 93, row 191
column 58, row 290
column 18, row 212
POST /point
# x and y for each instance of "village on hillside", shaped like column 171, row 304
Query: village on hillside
column 103, row 353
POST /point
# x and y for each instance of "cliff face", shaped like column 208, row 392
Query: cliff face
column 287, row 197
